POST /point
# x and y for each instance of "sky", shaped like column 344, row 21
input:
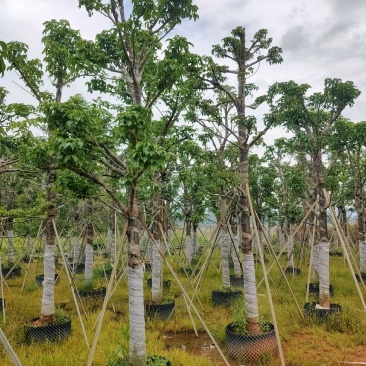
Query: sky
column 320, row 38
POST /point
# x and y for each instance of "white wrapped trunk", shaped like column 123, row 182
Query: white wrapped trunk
column 69, row 245
column 225, row 245
column 76, row 251
column 290, row 252
column 250, row 289
column 89, row 258
column 156, row 288
column 362, row 248
column 10, row 235
column 194, row 243
column 189, row 249
column 48, row 301
column 137, row 313
column 235, row 253
column 323, row 270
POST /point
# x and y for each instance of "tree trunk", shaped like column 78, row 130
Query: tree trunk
column 235, row 254
column 250, row 289
column 194, row 240
column 157, row 268
column 189, row 253
column 48, row 300
column 9, row 224
column 224, row 244
column 323, row 243
column 135, row 273
column 361, row 218
column 89, row 236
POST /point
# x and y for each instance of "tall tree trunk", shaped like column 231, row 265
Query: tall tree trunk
column 361, row 218
column 224, row 244
column 157, row 268
column 194, row 240
column 189, row 253
column 9, row 224
column 250, row 289
column 48, row 292
column 235, row 254
column 135, row 273
column 323, row 243
column 89, row 237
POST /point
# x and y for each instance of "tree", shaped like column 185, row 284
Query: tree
column 130, row 70
column 59, row 45
column 245, row 58
column 311, row 119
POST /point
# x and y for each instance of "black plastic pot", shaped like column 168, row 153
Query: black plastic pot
column 292, row 270
column 16, row 272
column 160, row 311
column 50, row 333
column 94, row 293
column 1, row 304
column 309, row 310
column 314, row 289
column 335, row 254
column 78, row 267
column 40, row 279
column 250, row 348
column 224, row 298
column 236, row 281
column 363, row 277
column 166, row 283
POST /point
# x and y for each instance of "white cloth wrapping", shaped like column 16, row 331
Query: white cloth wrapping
column 137, row 312
column 250, row 289
column 48, row 301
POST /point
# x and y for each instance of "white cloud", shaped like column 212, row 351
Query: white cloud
column 320, row 39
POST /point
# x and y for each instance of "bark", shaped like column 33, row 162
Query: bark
column 224, row 243
column 290, row 252
column 194, row 240
column 157, row 268
column 323, row 243
column 89, row 237
column 361, row 232
column 48, row 292
column 9, row 224
column 189, row 253
column 235, row 254
column 137, row 352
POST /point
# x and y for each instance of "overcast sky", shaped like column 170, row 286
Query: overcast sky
column 319, row 38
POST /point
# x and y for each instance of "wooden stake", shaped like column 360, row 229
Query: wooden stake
column 265, row 277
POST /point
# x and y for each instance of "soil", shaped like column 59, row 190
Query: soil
column 201, row 346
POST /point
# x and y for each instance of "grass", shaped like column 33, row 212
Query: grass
column 305, row 342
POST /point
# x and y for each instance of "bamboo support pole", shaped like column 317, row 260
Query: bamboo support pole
column 344, row 246
column 9, row 349
column 105, row 302
column 265, row 277
column 71, row 285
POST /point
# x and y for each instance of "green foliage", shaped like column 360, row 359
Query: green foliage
column 2, row 57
